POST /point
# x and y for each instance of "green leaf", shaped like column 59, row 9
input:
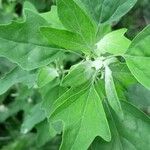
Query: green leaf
column 52, row 18
column 132, row 133
column 76, row 20
column 114, row 43
column 35, row 116
column 108, row 10
column 17, row 75
column 138, row 57
column 139, row 67
column 83, row 117
column 65, row 39
column 111, row 92
column 24, row 44
column 100, row 88
column 46, row 75
column 79, row 74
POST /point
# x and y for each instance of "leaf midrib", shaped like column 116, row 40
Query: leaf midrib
column 82, row 116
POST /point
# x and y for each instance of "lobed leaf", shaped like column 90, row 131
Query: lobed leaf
column 114, row 43
column 24, row 44
column 82, row 114
column 52, row 18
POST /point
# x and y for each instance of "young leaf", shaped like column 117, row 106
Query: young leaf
column 76, row 20
column 111, row 92
column 17, row 75
column 138, row 57
column 79, row 74
column 108, row 10
column 114, row 43
column 83, row 117
column 132, row 133
column 46, row 75
column 24, row 44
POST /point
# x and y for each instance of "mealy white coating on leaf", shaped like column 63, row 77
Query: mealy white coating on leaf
column 97, row 64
